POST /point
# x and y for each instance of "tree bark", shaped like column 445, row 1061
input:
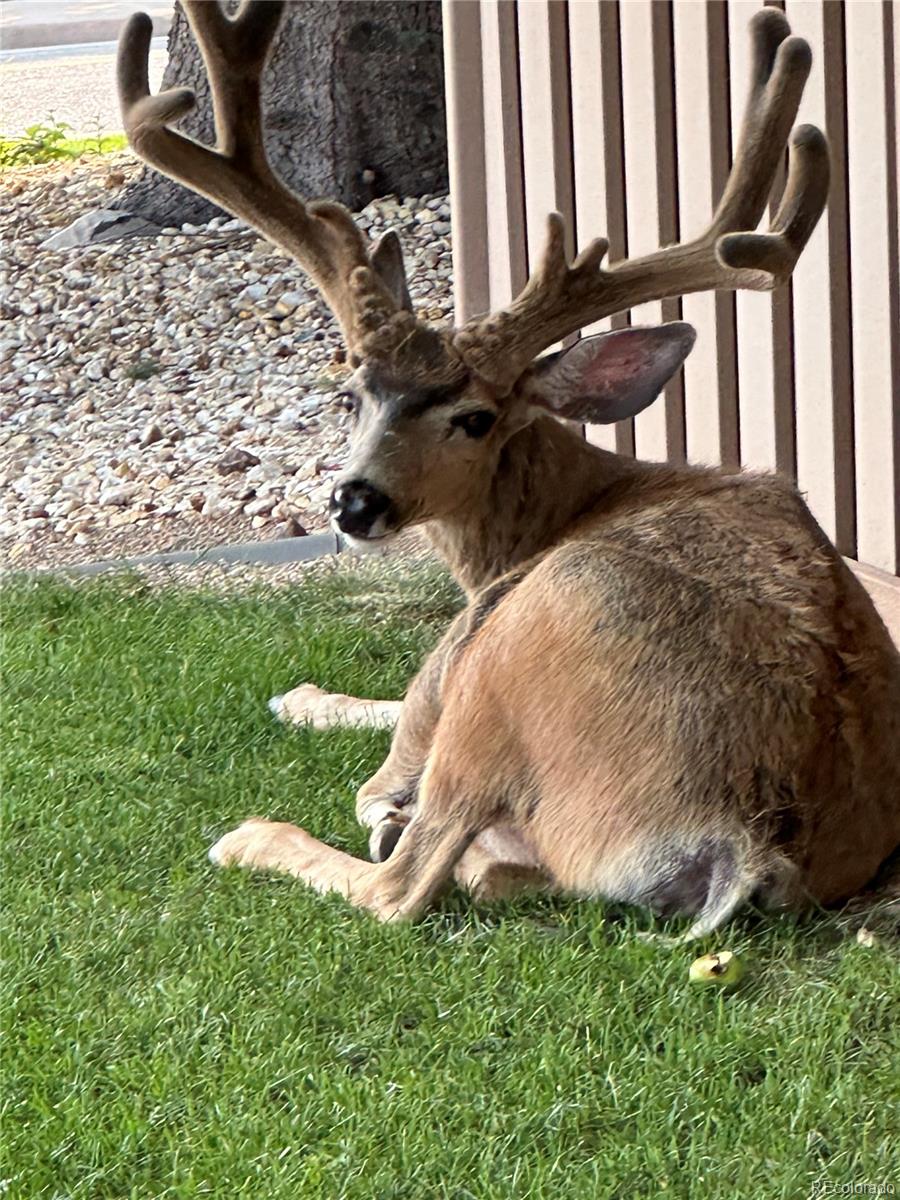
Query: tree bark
column 354, row 106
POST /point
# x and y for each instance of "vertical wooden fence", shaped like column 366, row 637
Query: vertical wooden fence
column 621, row 114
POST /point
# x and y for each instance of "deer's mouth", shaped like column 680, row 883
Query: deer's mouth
column 365, row 530
column 369, row 544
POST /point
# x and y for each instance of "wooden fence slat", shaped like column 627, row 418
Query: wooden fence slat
column 692, row 110
column 507, row 267
column 667, row 202
column 642, row 208
column 756, row 395
column 546, row 125
column 895, row 21
column 895, row 15
column 834, row 59
column 720, row 158
column 876, row 486
column 614, row 154
column 588, row 149
column 892, row 112
column 812, row 309
column 465, row 153
column 589, row 164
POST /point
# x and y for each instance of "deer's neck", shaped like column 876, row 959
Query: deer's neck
column 547, row 478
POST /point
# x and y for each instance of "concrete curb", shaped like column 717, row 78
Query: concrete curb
column 285, row 550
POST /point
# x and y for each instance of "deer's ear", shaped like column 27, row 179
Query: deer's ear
column 386, row 258
column 610, row 376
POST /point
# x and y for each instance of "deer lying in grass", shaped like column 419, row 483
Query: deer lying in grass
column 667, row 688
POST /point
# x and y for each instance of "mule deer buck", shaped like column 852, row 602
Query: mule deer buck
column 667, row 688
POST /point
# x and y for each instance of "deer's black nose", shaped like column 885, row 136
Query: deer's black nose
column 356, row 505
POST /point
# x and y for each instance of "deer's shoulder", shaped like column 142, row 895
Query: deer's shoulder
column 740, row 529
column 672, row 545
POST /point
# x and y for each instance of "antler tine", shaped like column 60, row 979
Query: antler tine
column 322, row 236
column 779, row 69
column 559, row 299
column 805, row 196
column 235, row 50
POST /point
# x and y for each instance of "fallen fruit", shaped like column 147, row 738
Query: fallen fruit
column 721, row 970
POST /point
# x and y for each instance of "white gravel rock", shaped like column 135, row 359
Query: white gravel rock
column 101, row 225
column 117, row 497
column 261, row 506
column 132, row 369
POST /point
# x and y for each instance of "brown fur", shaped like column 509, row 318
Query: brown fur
column 661, row 662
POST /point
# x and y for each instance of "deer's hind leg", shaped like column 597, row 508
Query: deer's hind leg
column 500, row 863
column 447, row 820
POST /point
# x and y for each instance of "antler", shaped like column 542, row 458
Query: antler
column 322, row 236
column 559, row 299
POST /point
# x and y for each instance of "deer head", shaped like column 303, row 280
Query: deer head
column 436, row 407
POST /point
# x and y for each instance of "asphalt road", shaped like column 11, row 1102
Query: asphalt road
column 25, row 23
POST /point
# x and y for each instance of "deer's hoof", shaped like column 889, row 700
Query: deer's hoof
column 385, row 836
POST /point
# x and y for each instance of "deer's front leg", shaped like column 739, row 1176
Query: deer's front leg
column 387, row 802
column 384, row 803
column 379, row 802
column 310, row 705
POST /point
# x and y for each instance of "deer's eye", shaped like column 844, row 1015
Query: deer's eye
column 475, row 424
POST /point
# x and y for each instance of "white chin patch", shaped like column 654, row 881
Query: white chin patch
column 375, row 542
column 368, row 545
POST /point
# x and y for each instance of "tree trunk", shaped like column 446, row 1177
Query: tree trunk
column 354, row 106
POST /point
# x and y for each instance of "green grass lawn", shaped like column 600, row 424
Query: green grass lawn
column 175, row 1031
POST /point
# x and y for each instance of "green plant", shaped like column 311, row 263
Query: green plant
column 43, row 142
column 144, row 368
column 48, row 141
column 96, row 138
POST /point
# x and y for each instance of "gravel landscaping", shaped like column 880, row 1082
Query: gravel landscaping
column 176, row 391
